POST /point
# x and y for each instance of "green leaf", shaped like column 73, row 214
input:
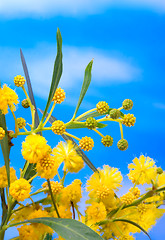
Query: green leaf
column 66, row 228
column 74, row 125
column 78, row 150
column 5, row 146
column 86, row 83
column 93, row 114
column 56, row 73
column 30, row 90
column 133, row 223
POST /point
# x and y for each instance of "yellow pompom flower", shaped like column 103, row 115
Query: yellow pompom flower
column 27, row 232
column 135, row 191
column 21, row 122
column 64, row 211
column 126, row 237
column 3, row 176
column 129, row 120
column 39, row 227
column 102, row 184
column 20, row 189
column 55, row 186
column 161, row 180
column 102, row 107
column 86, row 143
column 128, row 198
column 71, row 193
column 58, row 127
column 65, row 152
column 142, row 170
column 47, row 167
column 34, row 148
column 8, row 98
column 2, row 133
column 19, row 81
column 59, row 96
column 96, row 212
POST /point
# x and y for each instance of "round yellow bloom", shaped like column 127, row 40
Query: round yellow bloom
column 86, row 143
column 129, row 120
column 34, row 148
column 96, row 212
column 127, row 237
column 55, row 186
column 142, row 170
column 19, row 81
column 65, row 152
column 128, row 198
column 39, row 227
column 161, row 180
column 135, row 191
column 3, row 176
column 21, row 122
column 64, row 211
column 20, row 189
column 8, row 98
column 27, row 232
column 71, row 193
column 58, row 127
column 102, row 107
column 47, row 167
column 59, row 95
column 2, row 133
column 102, row 184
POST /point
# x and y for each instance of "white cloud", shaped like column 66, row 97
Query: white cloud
column 47, row 8
column 106, row 70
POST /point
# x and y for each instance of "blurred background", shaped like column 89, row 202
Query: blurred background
column 125, row 38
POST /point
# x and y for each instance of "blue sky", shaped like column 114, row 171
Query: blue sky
column 125, row 38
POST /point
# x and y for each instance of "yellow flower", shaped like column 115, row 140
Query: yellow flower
column 64, row 212
column 34, row 148
column 142, row 170
column 58, row 127
column 47, row 167
column 21, row 122
column 8, row 98
column 27, row 232
column 126, row 237
column 39, row 227
column 20, row 189
column 86, row 143
column 102, row 184
column 59, row 95
column 135, row 191
column 161, row 180
column 55, row 186
column 3, row 176
column 71, row 193
column 19, row 81
column 128, row 198
column 65, row 152
column 2, row 133
column 96, row 212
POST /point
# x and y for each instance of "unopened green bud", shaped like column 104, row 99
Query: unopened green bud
column 122, row 144
column 91, row 123
column 159, row 170
column 25, row 103
column 114, row 113
column 107, row 141
column 127, row 104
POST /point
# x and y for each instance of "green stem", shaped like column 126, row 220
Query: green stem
column 82, row 115
column 70, row 135
column 121, row 130
column 16, row 123
column 98, row 132
column 54, row 204
column 49, row 115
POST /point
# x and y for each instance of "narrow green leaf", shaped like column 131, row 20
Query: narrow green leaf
column 133, row 223
column 78, row 150
column 5, row 146
column 30, row 90
column 93, row 114
column 86, row 83
column 75, row 125
column 56, row 73
column 66, row 228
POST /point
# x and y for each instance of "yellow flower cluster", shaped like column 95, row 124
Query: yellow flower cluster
column 59, row 96
column 19, row 81
column 8, row 99
column 20, row 189
column 2, row 133
column 3, row 176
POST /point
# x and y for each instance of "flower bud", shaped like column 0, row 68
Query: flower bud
column 122, row 144
column 114, row 113
column 102, row 107
column 19, row 81
column 91, row 123
column 25, row 103
column 127, row 104
column 58, row 127
column 86, row 143
column 107, row 141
